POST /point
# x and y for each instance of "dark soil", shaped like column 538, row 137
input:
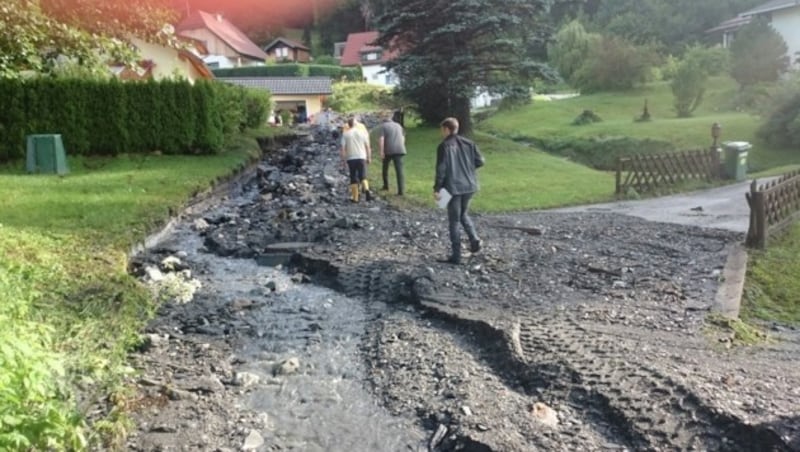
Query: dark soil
column 565, row 332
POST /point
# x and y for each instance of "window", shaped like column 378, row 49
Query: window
column 214, row 65
column 282, row 52
column 371, row 56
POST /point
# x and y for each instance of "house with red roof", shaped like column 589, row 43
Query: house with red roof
column 361, row 50
column 283, row 49
column 227, row 45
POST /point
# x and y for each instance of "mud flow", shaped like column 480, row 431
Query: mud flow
column 296, row 320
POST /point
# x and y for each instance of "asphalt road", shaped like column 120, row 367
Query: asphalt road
column 721, row 208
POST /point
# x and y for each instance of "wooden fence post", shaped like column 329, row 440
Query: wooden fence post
column 716, row 165
column 760, row 211
column 618, row 189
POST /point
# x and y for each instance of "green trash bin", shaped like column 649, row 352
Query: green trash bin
column 735, row 162
column 45, row 154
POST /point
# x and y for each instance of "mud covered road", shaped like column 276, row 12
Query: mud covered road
column 568, row 331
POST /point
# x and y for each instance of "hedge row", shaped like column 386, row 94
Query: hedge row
column 293, row 70
column 111, row 117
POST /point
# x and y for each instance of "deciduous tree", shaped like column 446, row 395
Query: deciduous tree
column 35, row 34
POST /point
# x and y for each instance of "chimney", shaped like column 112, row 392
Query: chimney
column 219, row 17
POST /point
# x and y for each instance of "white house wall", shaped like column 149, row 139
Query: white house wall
column 787, row 23
column 376, row 75
column 167, row 62
column 218, row 61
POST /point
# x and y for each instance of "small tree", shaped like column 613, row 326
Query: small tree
column 759, row 54
column 688, row 87
column 689, row 81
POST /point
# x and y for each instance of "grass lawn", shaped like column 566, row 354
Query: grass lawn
column 772, row 288
column 552, row 121
column 516, row 177
column 63, row 281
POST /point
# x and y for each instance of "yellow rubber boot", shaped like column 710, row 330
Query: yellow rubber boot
column 354, row 192
column 367, row 193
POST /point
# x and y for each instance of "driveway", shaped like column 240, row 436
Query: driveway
column 721, row 208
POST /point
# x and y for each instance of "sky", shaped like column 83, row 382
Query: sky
column 251, row 13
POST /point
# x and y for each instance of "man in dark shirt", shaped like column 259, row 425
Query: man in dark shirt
column 457, row 158
column 393, row 147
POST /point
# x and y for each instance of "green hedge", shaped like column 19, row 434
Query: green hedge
column 293, row 70
column 112, row 117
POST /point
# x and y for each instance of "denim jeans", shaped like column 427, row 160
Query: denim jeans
column 457, row 216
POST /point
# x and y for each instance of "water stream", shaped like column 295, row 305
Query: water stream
column 326, row 405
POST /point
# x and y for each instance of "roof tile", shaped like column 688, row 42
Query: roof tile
column 284, row 85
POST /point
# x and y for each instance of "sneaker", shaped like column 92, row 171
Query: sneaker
column 475, row 246
column 450, row 260
column 368, row 194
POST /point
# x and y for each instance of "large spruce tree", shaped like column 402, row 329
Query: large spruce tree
column 449, row 49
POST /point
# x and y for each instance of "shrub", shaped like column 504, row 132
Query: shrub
column 669, row 68
column 586, row 117
column 782, row 127
column 614, row 64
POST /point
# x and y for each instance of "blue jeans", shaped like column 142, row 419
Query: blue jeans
column 457, row 215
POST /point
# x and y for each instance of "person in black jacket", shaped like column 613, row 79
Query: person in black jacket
column 457, row 158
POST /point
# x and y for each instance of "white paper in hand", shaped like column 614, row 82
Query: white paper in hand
column 444, row 198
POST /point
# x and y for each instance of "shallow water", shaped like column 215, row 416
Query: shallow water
column 326, row 405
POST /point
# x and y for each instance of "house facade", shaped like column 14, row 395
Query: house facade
column 303, row 96
column 161, row 62
column 783, row 15
column 282, row 49
column 360, row 50
column 227, row 46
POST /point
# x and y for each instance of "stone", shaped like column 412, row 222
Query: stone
column 253, row 441
column 544, row 414
column 200, row 225
column 246, row 379
column 287, row 367
column 154, row 274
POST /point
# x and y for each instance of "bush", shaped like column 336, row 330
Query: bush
column 669, row 69
column 782, row 127
column 36, row 409
column 586, row 117
column 350, row 97
column 614, row 64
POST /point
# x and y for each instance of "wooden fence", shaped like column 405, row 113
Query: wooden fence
column 647, row 172
column 774, row 206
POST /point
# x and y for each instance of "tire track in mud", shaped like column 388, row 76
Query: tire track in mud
column 600, row 378
column 651, row 409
